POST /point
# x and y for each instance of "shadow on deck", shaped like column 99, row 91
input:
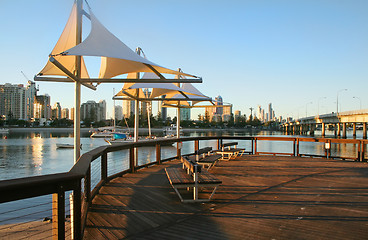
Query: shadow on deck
column 262, row 197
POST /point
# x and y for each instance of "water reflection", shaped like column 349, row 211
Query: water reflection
column 35, row 153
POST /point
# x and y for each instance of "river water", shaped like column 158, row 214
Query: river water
column 33, row 152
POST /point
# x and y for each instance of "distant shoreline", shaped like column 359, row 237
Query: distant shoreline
column 84, row 130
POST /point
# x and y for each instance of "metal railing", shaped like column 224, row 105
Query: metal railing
column 93, row 170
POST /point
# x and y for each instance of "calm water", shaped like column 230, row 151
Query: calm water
column 24, row 154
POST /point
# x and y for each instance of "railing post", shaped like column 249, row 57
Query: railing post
column 58, row 214
column 178, row 149
column 327, row 148
column 131, row 159
column 363, row 151
column 196, row 145
column 104, row 166
column 87, row 185
column 219, row 143
column 297, row 147
column 158, row 153
column 76, row 209
column 255, row 146
column 294, row 147
column 359, row 157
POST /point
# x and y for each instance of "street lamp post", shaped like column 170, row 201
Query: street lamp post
column 360, row 102
column 318, row 103
column 306, row 109
column 337, row 99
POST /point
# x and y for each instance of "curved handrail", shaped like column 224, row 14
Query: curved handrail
column 79, row 170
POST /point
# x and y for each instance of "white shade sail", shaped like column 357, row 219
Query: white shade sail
column 194, row 96
column 135, row 90
column 117, row 58
column 67, row 40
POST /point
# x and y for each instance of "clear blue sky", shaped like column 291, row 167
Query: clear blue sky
column 251, row 53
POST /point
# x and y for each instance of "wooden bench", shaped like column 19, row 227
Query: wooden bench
column 228, row 152
column 192, row 176
column 205, row 158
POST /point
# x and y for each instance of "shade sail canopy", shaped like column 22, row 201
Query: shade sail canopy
column 117, row 58
column 193, row 97
column 135, row 91
column 67, row 40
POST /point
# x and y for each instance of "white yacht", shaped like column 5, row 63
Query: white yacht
column 106, row 132
column 4, row 130
column 171, row 130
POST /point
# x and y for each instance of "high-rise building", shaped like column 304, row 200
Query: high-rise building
column 270, row 112
column 31, row 92
column 237, row 115
column 93, row 111
column 17, row 101
column 13, row 101
column 42, row 107
column 65, row 113
column 227, row 110
column 185, row 114
column 128, row 108
column 56, row 111
column 118, row 112
column 259, row 112
column 163, row 110
column 101, row 114
column 219, row 112
column 145, row 106
column 72, row 112
column 218, row 102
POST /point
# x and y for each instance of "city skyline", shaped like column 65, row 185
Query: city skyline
column 297, row 55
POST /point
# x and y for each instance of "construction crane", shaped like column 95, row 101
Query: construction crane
column 25, row 76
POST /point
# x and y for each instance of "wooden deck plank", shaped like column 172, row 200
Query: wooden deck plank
column 262, row 197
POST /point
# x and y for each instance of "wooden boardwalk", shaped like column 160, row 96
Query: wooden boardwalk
column 262, row 197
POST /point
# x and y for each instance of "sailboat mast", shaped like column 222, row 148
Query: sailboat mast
column 113, row 93
column 178, row 111
column 149, row 118
column 77, row 87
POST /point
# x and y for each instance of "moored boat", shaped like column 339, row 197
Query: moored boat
column 4, row 130
column 127, row 139
column 172, row 130
column 106, row 132
column 65, row 145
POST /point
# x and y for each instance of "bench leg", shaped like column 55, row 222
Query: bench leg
column 195, row 193
column 213, row 193
column 178, row 193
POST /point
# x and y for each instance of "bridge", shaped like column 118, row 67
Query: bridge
column 338, row 121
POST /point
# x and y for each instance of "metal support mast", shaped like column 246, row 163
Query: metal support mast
column 77, row 87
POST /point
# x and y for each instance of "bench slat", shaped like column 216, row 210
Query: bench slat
column 229, row 144
column 208, row 178
column 210, row 159
column 178, row 176
column 203, row 150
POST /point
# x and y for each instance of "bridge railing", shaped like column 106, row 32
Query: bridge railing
column 94, row 169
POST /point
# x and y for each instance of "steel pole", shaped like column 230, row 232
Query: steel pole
column 77, row 87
